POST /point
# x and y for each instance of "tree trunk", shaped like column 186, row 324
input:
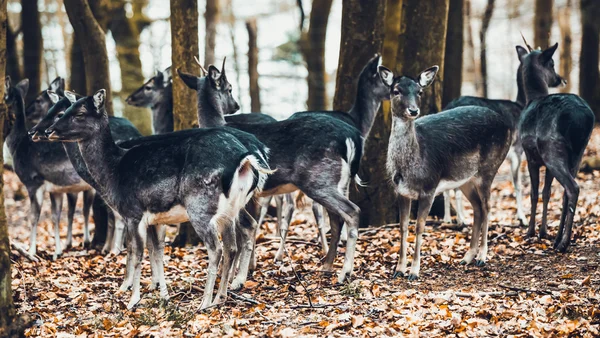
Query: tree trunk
column 91, row 39
column 470, row 66
column 13, row 69
column 127, row 38
column 211, row 18
column 453, row 58
column 589, row 74
column 362, row 37
column 566, row 45
column 184, row 40
column 542, row 23
column 421, row 44
column 253, row 65
column 7, row 308
column 32, row 47
column 485, row 24
column 77, row 80
column 312, row 46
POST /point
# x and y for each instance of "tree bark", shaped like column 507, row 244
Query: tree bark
column 253, row 65
column 77, row 80
column 542, row 23
column 470, row 66
column 7, row 308
column 91, row 39
column 211, row 18
column 485, row 24
column 362, row 37
column 13, row 69
column 312, row 46
column 453, row 58
column 184, row 40
column 32, row 47
column 589, row 74
column 421, row 44
column 127, row 38
column 566, row 45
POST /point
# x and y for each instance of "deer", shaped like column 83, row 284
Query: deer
column 121, row 129
column 555, row 130
column 157, row 94
column 457, row 148
column 205, row 178
column 318, row 154
column 42, row 168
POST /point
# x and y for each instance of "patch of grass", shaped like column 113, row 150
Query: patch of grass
column 351, row 289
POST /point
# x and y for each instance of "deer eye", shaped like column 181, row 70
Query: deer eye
column 396, row 91
column 420, row 92
column 148, row 88
column 61, row 114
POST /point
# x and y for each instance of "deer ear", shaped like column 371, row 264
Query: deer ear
column 71, row 96
column 99, row 99
column 7, row 85
column 521, row 53
column 58, row 85
column 215, row 76
column 427, row 76
column 53, row 97
column 387, row 76
column 547, row 54
column 23, row 86
column 190, row 80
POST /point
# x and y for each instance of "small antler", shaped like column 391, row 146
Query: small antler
column 526, row 44
column 204, row 71
column 223, row 66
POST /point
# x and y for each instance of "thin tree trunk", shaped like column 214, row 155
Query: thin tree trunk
column 253, row 65
column 453, row 58
column 542, row 23
column 421, row 44
column 13, row 69
column 312, row 45
column 127, row 38
column 231, row 20
column 566, row 45
column 77, row 80
column 184, row 40
column 589, row 74
column 362, row 37
column 470, row 67
column 211, row 18
column 485, row 24
column 92, row 42
column 32, row 47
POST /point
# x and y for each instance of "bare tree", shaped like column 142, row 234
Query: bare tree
column 126, row 32
column 312, row 46
column 589, row 74
column 13, row 69
column 485, row 24
column 91, row 40
column 211, row 18
column 32, row 47
column 253, row 65
column 453, row 58
column 542, row 23
column 362, row 37
column 566, row 45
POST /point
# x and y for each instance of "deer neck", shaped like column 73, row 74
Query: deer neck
column 520, row 90
column 364, row 110
column 404, row 145
column 18, row 132
column 209, row 112
column 535, row 86
column 162, row 112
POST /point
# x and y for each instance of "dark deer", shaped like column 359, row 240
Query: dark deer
column 459, row 148
column 205, row 178
column 554, row 129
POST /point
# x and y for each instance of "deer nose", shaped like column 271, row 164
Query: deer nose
column 48, row 131
column 32, row 132
column 236, row 106
column 413, row 112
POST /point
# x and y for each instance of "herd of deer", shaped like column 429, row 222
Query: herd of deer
column 65, row 144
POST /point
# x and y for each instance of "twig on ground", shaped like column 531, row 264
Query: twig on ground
column 514, row 288
column 18, row 248
column 243, row 299
column 288, row 240
column 298, row 276
column 483, row 294
column 315, row 306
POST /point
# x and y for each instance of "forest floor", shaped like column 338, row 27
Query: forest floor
column 525, row 289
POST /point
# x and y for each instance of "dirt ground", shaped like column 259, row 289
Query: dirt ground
column 525, row 289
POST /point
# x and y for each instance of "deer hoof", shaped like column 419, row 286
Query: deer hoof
column 413, row 277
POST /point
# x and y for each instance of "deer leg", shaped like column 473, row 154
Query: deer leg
column 321, row 224
column 545, row 199
column 264, row 208
column 128, row 280
column 404, row 204
column 534, row 174
column 71, row 203
column 110, row 234
column 563, row 176
column 138, row 233
column 88, row 199
column 56, row 200
column 460, row 207
column 36, row 199
column 447, row 216
column 470, row 192
column 483, row 190
column 425, row 202
column 515, row 168
column 229, row 255
column 247, row 231
column 156, row 241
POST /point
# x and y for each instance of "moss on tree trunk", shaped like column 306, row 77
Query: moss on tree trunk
column 127, row 38
column 91, row 39
column 362, row 37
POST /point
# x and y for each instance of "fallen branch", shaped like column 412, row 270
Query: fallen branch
column 483, row 294
column 23, row 252
column 243, row 299
column 298, row 276
column 514, row 288
column 314, row 306
column 288, row 240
